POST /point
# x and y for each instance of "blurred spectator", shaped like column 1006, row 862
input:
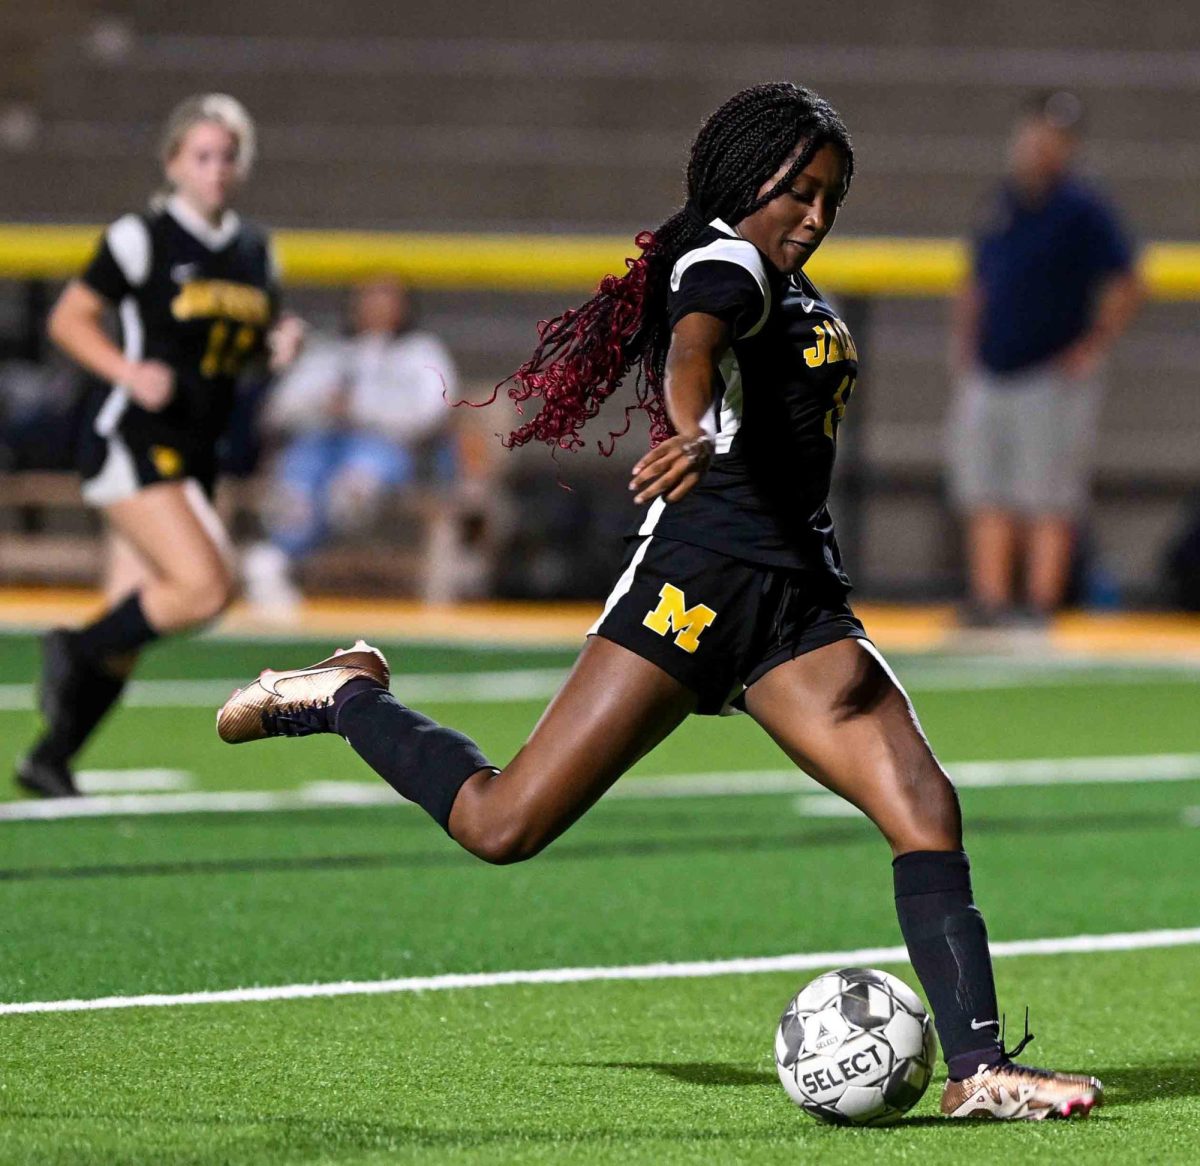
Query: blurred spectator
column 1052, row 287
column 357, row 415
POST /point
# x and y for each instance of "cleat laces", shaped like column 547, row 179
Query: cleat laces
column 299, row 719
column 1020, row 1046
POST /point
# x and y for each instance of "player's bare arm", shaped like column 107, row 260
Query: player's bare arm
column 675, row 466
column 77, row 326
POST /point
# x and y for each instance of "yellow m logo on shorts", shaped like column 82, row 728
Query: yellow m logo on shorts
column 167, row 461
column 673, row 615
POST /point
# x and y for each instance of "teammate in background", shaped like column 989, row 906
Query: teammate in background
column 732, row 591
column 356, row 411
column 196, row 295
column 1053, row 286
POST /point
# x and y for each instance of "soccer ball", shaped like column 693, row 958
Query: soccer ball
column 855, row 1047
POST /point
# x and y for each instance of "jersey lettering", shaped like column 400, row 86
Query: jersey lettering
column 673, row 615
column 834, row 343
column 203, row 298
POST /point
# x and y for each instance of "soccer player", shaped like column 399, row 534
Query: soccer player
column 733, row 589
column 195, row 291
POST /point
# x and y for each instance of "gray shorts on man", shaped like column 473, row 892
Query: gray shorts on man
column 1022, row 442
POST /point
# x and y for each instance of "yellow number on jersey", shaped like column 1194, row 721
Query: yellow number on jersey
column 221, row 356
column 840, row 400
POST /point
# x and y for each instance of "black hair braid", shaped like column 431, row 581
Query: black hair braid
column 583, row 355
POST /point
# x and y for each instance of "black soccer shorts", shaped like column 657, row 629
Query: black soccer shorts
column 718, row 624
column 117, row 460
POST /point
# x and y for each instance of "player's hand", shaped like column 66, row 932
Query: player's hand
column 285, row 341
column 151, row 384
column 672, row 468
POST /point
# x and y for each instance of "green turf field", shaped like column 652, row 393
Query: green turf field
column 654, row 1070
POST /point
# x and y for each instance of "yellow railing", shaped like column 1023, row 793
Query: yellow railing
column 853, row 266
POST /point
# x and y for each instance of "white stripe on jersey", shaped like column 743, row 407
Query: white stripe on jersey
column 117, row 478
column 730, row 420
column 732, row 250
column 113, row 409
column 129, row 241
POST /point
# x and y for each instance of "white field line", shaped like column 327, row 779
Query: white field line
column 146, row 805
column 335, row 794
column 1153, row 767
column 824, row 806
column 474, row 687
column 697, row 969
column 1162, row 767
column 106, row 781
column 541, row 683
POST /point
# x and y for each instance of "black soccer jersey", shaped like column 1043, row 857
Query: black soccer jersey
column 783, row 388
column 195, row 297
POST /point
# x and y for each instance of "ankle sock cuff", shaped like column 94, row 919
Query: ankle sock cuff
column 348, row 692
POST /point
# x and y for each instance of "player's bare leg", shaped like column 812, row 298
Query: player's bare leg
column 612, row 709
column 839, row 713
column 170, row 568
column 175, row 530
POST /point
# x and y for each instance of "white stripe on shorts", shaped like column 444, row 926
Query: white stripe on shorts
column 624, row 583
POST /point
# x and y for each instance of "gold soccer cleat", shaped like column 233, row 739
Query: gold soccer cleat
column 298, row 702
column 1012, row 1092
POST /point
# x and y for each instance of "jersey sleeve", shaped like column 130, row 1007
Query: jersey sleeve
column 121, row 261
column 721, row 288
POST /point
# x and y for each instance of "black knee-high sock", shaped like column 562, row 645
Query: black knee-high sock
column 420, row 759
column 118, row 631
column 92, row 699
column 948, row 946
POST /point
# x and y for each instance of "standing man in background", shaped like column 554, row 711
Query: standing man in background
column 1052, row 286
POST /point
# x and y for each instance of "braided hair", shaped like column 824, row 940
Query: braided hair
column 583, row 355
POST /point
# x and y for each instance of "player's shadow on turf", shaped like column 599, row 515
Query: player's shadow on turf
column 696, row 1072
column 1134, row 1084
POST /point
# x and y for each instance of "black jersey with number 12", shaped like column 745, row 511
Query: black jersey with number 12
column 782, row 389
column 195, row 297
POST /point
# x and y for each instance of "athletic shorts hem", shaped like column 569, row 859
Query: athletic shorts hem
column 113, row 469
column 834, row 634
column 716, row 624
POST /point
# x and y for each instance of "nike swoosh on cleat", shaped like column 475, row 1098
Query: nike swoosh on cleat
column 978, row 1024
column 276, row 677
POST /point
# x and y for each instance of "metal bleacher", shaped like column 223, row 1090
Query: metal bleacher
column 471, row 117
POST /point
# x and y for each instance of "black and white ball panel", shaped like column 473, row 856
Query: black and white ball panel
column 855, row 1046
